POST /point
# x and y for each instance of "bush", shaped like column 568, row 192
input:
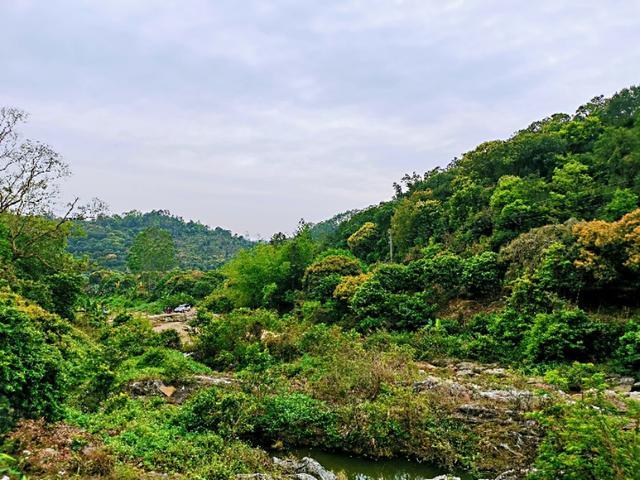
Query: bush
column 295, row 419
column 376, row 307
column 159, row 363
column 32, row 366
column 322, row 276
column 481, row 275
column 444, row 271
column 565, row 335
column 628, row 352
column 229, row 414
column 234, row 340
column 572, row 378
column 586, row 439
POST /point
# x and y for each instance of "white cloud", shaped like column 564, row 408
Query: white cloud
column 252, row 114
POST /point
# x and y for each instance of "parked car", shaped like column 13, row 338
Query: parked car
column 185, row 307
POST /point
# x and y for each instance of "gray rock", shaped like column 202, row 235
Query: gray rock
column 515, row 474
column 626, row 381
column 477, row 411
column 504, row 396
column 498, row 372
column 442, row 385
column 307, row 466
column 445, row 477
column 254, row 476
column 635, row 387
column 303, row 476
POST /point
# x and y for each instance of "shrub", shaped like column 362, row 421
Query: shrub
column 159, row 363
column 228, row 413
column 322, row 276
column 628, row 351
column 376, row 307
column 32, row 368
column 565, row 335
column 294, row 419
column 586, row 439
column 572, row 378
column 234, row 340
column 481, row 275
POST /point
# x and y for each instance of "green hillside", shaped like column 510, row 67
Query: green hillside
column 107, row 239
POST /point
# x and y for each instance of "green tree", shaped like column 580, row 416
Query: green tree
column 153, row 250
column 416, row 220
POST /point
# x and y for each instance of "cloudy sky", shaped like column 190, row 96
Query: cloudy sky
column 251, row 114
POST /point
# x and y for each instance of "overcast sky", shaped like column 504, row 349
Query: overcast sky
column 250, row 114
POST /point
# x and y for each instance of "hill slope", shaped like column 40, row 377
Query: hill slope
column 108, row 238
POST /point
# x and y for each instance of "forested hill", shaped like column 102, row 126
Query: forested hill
column 566, row 167
column 107, row 239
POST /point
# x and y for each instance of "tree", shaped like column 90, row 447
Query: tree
column 362, row 241
column 29, row 170
column 152, row 250
column 573, row 190
column 416, row 220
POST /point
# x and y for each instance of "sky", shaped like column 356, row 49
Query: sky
column 252, row 114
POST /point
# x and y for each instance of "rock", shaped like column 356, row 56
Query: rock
column 477, row 411
column 445, row 477
column 497, row 372
column 207, row 380
column 303, row 476
column 167, row 390
column 465, row 373
column 145, row 388
column 635, row 387
column 468, row 366
column 254, row 476
column 428, row 383
column 634, row 396
column 515, row 474
column 307, row 466
column 522, row 397
column 444, row 386
column 626, row 381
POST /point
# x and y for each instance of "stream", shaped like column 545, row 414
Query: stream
column 360, row 468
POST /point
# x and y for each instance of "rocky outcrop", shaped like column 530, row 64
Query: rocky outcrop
column 176, row 393
column 308, row 467
column 304, row 469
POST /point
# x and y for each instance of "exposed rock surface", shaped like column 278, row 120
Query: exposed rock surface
column 305, row 469
column 176, row 393
column 308, row 467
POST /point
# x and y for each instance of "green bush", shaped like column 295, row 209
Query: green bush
column 31, row 369
column 159, row 363
column 565, row 335
column 628, row 352
column 228, row 413
column 376, row 307
column 295, row 419
column 586, row 439
column 234, row 340
column 482, row 275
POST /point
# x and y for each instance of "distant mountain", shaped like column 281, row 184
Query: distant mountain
column 106, row 240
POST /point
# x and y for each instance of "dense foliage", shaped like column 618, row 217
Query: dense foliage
column 107, row 240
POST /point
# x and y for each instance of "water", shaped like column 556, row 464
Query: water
column 359, row 468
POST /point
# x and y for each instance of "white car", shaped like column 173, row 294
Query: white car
column 185, row 307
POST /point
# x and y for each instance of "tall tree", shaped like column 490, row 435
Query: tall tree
column 153, row 250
